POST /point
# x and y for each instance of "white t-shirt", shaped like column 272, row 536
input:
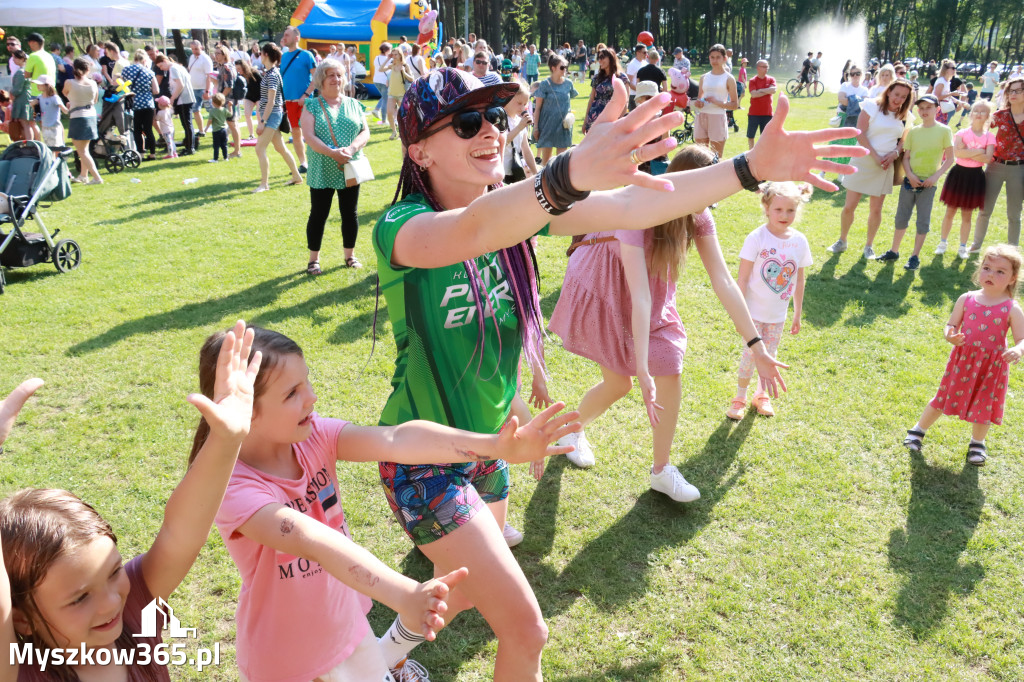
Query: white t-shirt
column 515, row 144
column 631, row 69
column 199, row 70
column 989, row 81
column 774, row 276
column 884, row 130
column 380, row 72
column 945, row 89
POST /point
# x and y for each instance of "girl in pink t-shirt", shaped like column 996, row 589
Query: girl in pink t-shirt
column 617, row 308
column 65, row 585
column 964, row 189
column 305, row 584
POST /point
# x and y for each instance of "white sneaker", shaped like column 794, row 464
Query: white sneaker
column 582, row 455
column 941, row 248
column 869, row 253
column 672, row 483
column 512, row 536
column 838, row 247
column 961, row 253
column 409, row 670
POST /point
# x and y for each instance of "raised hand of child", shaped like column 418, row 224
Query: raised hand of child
column 646, row 382
column 539, row 396
column 230, row 412
column 428, row 604
column 533, row 440
column 1010, row 355
column 12, row 404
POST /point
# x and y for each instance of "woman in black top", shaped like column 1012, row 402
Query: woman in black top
column 252, row 92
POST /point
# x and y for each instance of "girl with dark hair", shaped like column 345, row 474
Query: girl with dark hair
column 271, row 111
column 66, row 586
column 458, row 273
column 552, row 129
column 283, row 524
column 601, row 86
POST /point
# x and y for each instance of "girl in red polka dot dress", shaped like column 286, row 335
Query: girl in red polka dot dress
column 974, row 385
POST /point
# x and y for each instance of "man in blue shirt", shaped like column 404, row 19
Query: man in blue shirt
column 531, row 64
column 297, row 67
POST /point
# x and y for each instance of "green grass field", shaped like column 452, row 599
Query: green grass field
column 820, row 549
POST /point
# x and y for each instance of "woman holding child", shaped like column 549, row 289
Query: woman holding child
column 336, row 132
column 456, row 268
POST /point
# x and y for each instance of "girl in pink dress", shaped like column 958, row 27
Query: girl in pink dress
column 618, row 309
column 974, row 385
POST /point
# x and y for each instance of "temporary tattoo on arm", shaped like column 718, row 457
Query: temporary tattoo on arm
column 363, row 575
column 470, row 455
column 286, row 526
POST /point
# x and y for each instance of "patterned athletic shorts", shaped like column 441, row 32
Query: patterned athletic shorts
column 432, row 500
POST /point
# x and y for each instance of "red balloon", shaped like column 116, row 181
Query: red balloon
column 646, row 38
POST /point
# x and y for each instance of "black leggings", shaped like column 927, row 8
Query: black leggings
column 143, row 128
column 184, row 112
column 320, row 201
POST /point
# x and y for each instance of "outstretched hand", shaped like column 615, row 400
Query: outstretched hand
column 768, row 374
column 229, row 414
column 12, row 404
column 518, row 444
column 783, row 155
column 539, row 396
column 429, row 603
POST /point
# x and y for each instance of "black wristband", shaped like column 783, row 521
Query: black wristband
column 750, row 344
column 562, row 187
column 742, row 168
column 542, row 199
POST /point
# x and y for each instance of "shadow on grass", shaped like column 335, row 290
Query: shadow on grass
column 944, row 510
column 647, row 670
column 204, row 313
column 943, row 284
column 191, row 196
column 883, row 296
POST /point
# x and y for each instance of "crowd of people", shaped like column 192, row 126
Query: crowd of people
column 464, row 299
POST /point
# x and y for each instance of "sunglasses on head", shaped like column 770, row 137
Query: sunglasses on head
column 467, row 123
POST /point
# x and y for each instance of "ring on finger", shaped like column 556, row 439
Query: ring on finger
column 634, row 156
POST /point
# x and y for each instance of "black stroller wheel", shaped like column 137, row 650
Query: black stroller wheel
column 67, row 255
column 114, row 163
column 132, row 158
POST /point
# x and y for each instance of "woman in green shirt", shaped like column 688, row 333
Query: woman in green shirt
column 335, row 131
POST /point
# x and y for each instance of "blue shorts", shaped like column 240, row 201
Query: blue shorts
column 200, row 103
column 274, row 122
column 433, row 500
column 756, row 123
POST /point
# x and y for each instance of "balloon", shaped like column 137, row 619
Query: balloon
column 646, row 38
column 2, row 34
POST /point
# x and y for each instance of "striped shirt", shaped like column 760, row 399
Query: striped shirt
column 271, row 80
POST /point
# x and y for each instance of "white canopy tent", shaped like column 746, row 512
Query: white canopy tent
column 162, row 15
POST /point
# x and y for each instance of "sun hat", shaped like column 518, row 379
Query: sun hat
column 44, row 79
column 443, row 92
column 646, row 89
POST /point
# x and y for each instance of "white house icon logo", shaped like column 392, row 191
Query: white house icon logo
column 160, row 609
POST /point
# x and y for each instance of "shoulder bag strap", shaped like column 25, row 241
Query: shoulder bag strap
column 587, row 242
column 330, row 126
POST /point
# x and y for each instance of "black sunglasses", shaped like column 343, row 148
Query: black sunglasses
column 481, row 61
column 467, row 124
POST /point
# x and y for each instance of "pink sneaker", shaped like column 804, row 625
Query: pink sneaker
column 737, row 409
column 170, row 156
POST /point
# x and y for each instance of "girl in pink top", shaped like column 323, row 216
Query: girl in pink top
column 65, row 585
column 306, row 586
column 964, row 189
column 618, row 309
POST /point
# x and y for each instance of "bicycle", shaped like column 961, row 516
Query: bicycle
column 814, row 88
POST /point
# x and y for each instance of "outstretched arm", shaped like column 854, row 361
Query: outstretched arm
column 634, row 267
column 423, row 442
column 602, row 162
column 194, row 503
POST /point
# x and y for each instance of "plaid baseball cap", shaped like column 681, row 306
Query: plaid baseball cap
column 443, row 92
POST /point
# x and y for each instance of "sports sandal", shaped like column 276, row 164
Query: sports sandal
column 736, row 409
column 976, row 454
column 914, row 440
column 353, row 262
column 314, row 268
column 763, row 405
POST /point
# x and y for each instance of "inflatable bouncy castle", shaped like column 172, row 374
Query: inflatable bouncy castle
column 365, row 24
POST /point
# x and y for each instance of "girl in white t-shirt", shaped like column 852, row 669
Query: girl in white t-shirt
column 772, row 264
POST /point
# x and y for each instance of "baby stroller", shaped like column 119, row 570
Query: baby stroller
column 29, row 173
column 685, row 134
column 116, row 145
